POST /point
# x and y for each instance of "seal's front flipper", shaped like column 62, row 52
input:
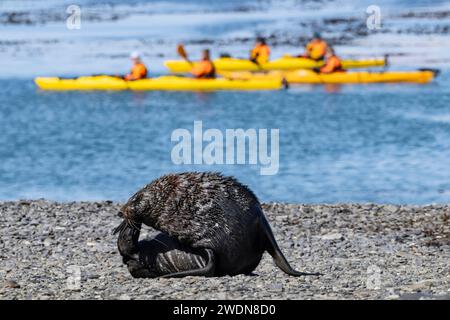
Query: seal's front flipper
column 127, row 241
column 137, row 270
column 207, row 271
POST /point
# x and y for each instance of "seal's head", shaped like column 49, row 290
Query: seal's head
column 132, row 210
column 145, row 204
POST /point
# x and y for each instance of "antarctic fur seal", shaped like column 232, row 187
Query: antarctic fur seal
column 208, row 212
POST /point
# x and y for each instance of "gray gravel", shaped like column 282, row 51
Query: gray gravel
column 53, row 250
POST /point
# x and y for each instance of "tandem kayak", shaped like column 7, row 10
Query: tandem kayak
column 284, row 63
column 308, row 76
column 161, row 83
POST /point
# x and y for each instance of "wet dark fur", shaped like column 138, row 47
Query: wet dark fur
column 205, row 211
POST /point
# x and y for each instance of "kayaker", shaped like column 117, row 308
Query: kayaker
column 261, row 52
column 204, row 69
column 332, row 62
column 138, row 71
column 316, row 48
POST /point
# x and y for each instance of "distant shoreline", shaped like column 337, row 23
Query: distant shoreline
column 364, row 251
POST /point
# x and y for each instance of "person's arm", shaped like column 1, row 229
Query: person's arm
column 198, row 70
column 138, row 72
column 131, row 77
column 254, row 54
column 328, row 67
column 309, row 48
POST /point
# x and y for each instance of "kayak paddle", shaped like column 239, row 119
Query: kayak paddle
column 182, row 52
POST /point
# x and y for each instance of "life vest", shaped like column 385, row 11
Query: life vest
column 333, row 64
column 260, row 53
column 316, row 49
column 138, row 71
column 204, row 69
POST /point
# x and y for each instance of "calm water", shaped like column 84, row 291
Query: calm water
column 382, row 143
column 377, row 143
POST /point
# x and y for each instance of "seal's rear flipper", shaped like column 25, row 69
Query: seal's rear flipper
column 275, row 251
column 207, row 271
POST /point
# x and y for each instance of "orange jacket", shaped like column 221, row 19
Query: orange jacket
column 260, row 53
column 316, row 49
column 332, row 64
column 204, row 69
column 138, row 71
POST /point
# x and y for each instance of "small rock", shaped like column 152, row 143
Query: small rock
column 90, row 275
column 391, row 208
column 276, row 288
column 11, row 284
column 419, row 286
column 281, row 218
column 332, row 236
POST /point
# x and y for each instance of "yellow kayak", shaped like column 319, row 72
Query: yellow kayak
column 284, row 63
column 308, row 76
column 160, row 83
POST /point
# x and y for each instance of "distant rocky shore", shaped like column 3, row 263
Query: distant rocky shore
column 52, row 250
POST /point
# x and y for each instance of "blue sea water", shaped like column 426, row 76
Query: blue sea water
column 377, row 143
column 352, row 143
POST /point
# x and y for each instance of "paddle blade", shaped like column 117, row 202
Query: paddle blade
column 181, row 51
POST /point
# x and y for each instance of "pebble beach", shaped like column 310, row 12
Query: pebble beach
column 51, row 250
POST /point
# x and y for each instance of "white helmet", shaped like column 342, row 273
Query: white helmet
column 135, row 55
